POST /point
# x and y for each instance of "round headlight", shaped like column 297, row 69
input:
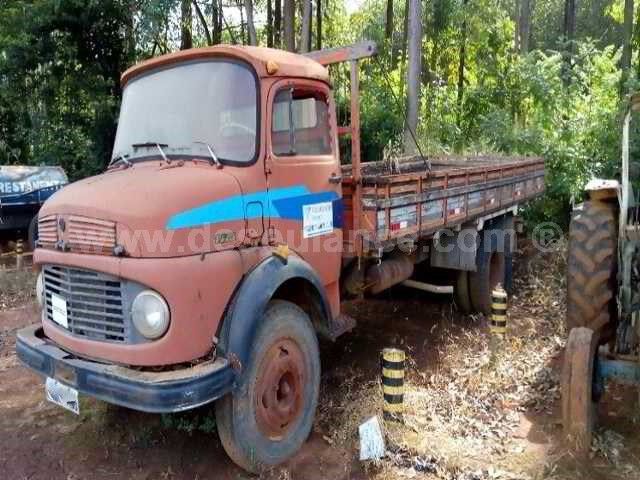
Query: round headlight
column 40, row 289
column 150, row 314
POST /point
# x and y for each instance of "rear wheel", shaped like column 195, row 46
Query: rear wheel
column 269, row 416
column 490, row 271
column 580, row 391
column 591, row 269
column 461, row 292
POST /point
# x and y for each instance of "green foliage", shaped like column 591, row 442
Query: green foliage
column 60, row 62
column 203, row 421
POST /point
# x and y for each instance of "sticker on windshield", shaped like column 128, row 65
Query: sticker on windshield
column 317, row 219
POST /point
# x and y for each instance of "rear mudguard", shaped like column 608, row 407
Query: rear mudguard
column 251, row 298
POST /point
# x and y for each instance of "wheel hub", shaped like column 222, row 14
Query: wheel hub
column 279, row 389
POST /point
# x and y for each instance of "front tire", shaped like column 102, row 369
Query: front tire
column 269, row 416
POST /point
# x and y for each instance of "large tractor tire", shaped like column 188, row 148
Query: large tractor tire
column 591, row 269
column 267, row 418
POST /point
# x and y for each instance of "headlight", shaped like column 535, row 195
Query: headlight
column 40, row 289
column 150, row 314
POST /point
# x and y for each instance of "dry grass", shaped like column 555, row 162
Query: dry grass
column 16, row 288
column 462, row 417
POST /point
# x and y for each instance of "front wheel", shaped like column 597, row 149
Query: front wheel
column 269, row 416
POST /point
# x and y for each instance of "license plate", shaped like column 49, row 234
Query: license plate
column 59, row 310
column 61, row 395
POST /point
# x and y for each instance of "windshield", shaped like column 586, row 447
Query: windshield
column 188, row 107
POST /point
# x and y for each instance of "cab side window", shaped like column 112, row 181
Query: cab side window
column 300, row 123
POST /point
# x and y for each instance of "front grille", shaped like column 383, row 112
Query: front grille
column 90, row 235
column 95, row 305
column 48, row 231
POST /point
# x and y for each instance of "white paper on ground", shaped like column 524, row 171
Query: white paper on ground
column 371, row 440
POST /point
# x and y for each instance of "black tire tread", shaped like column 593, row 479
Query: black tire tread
column 591, row 266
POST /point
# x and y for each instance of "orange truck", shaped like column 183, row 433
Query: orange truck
column 213, row 253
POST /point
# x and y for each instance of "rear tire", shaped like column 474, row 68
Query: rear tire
column 270, row 414
column 462, row 296
column 490, row 267
column 591, row 269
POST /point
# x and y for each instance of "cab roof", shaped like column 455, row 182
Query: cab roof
column 288, row 64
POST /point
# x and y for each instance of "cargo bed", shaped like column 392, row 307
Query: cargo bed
column 416, row 197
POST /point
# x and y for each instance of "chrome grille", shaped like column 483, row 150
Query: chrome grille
column 47, row 231
column 90, row 235
column 95, row 305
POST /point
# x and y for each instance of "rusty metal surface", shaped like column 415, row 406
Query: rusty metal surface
column 289, row 64
column 196, row 289
column 432, row 200
column 343, row 54
column 279, row 390
column 577, row 381
column 389, row 272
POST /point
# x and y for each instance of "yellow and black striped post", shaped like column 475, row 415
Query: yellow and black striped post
column 498, row 326
column 19, row 253
column 393, row 383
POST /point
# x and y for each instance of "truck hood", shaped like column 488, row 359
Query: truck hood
column 141, row 201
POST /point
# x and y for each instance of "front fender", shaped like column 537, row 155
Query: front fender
column 251, row 298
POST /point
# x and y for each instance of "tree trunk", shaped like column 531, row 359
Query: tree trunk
column 242, row 24
column 305, row 30
column 414, row 41
column 251, row 28
column 269, row 25
column 216, row 22
column 516, row 21
column 318, row 24
column 627, row 38
column 277, row 23
column 569, row 32
column 203, row 21
column 462, row 61
column 130, row 37
column 186, row 40
column 289, row 14
column 388, row 31
column 406, row 30
column 524, row 25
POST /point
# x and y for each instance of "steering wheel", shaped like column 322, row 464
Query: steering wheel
column 229, row 127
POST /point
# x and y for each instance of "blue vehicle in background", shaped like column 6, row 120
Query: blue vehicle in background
column 23, row 190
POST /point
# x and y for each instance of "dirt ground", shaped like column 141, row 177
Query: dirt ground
column 471, row 414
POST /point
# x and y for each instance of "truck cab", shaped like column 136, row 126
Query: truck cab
column 216, row 226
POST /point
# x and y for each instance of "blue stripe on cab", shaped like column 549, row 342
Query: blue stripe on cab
column 285, row 203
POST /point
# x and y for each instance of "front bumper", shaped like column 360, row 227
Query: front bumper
column 155, row 392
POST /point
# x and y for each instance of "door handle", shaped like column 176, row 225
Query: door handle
column 335, row 178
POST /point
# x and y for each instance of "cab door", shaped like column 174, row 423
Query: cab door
column 303, row 176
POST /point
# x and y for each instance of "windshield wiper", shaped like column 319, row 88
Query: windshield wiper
column 214, row 158
column 154, row 144
column 124, row 158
